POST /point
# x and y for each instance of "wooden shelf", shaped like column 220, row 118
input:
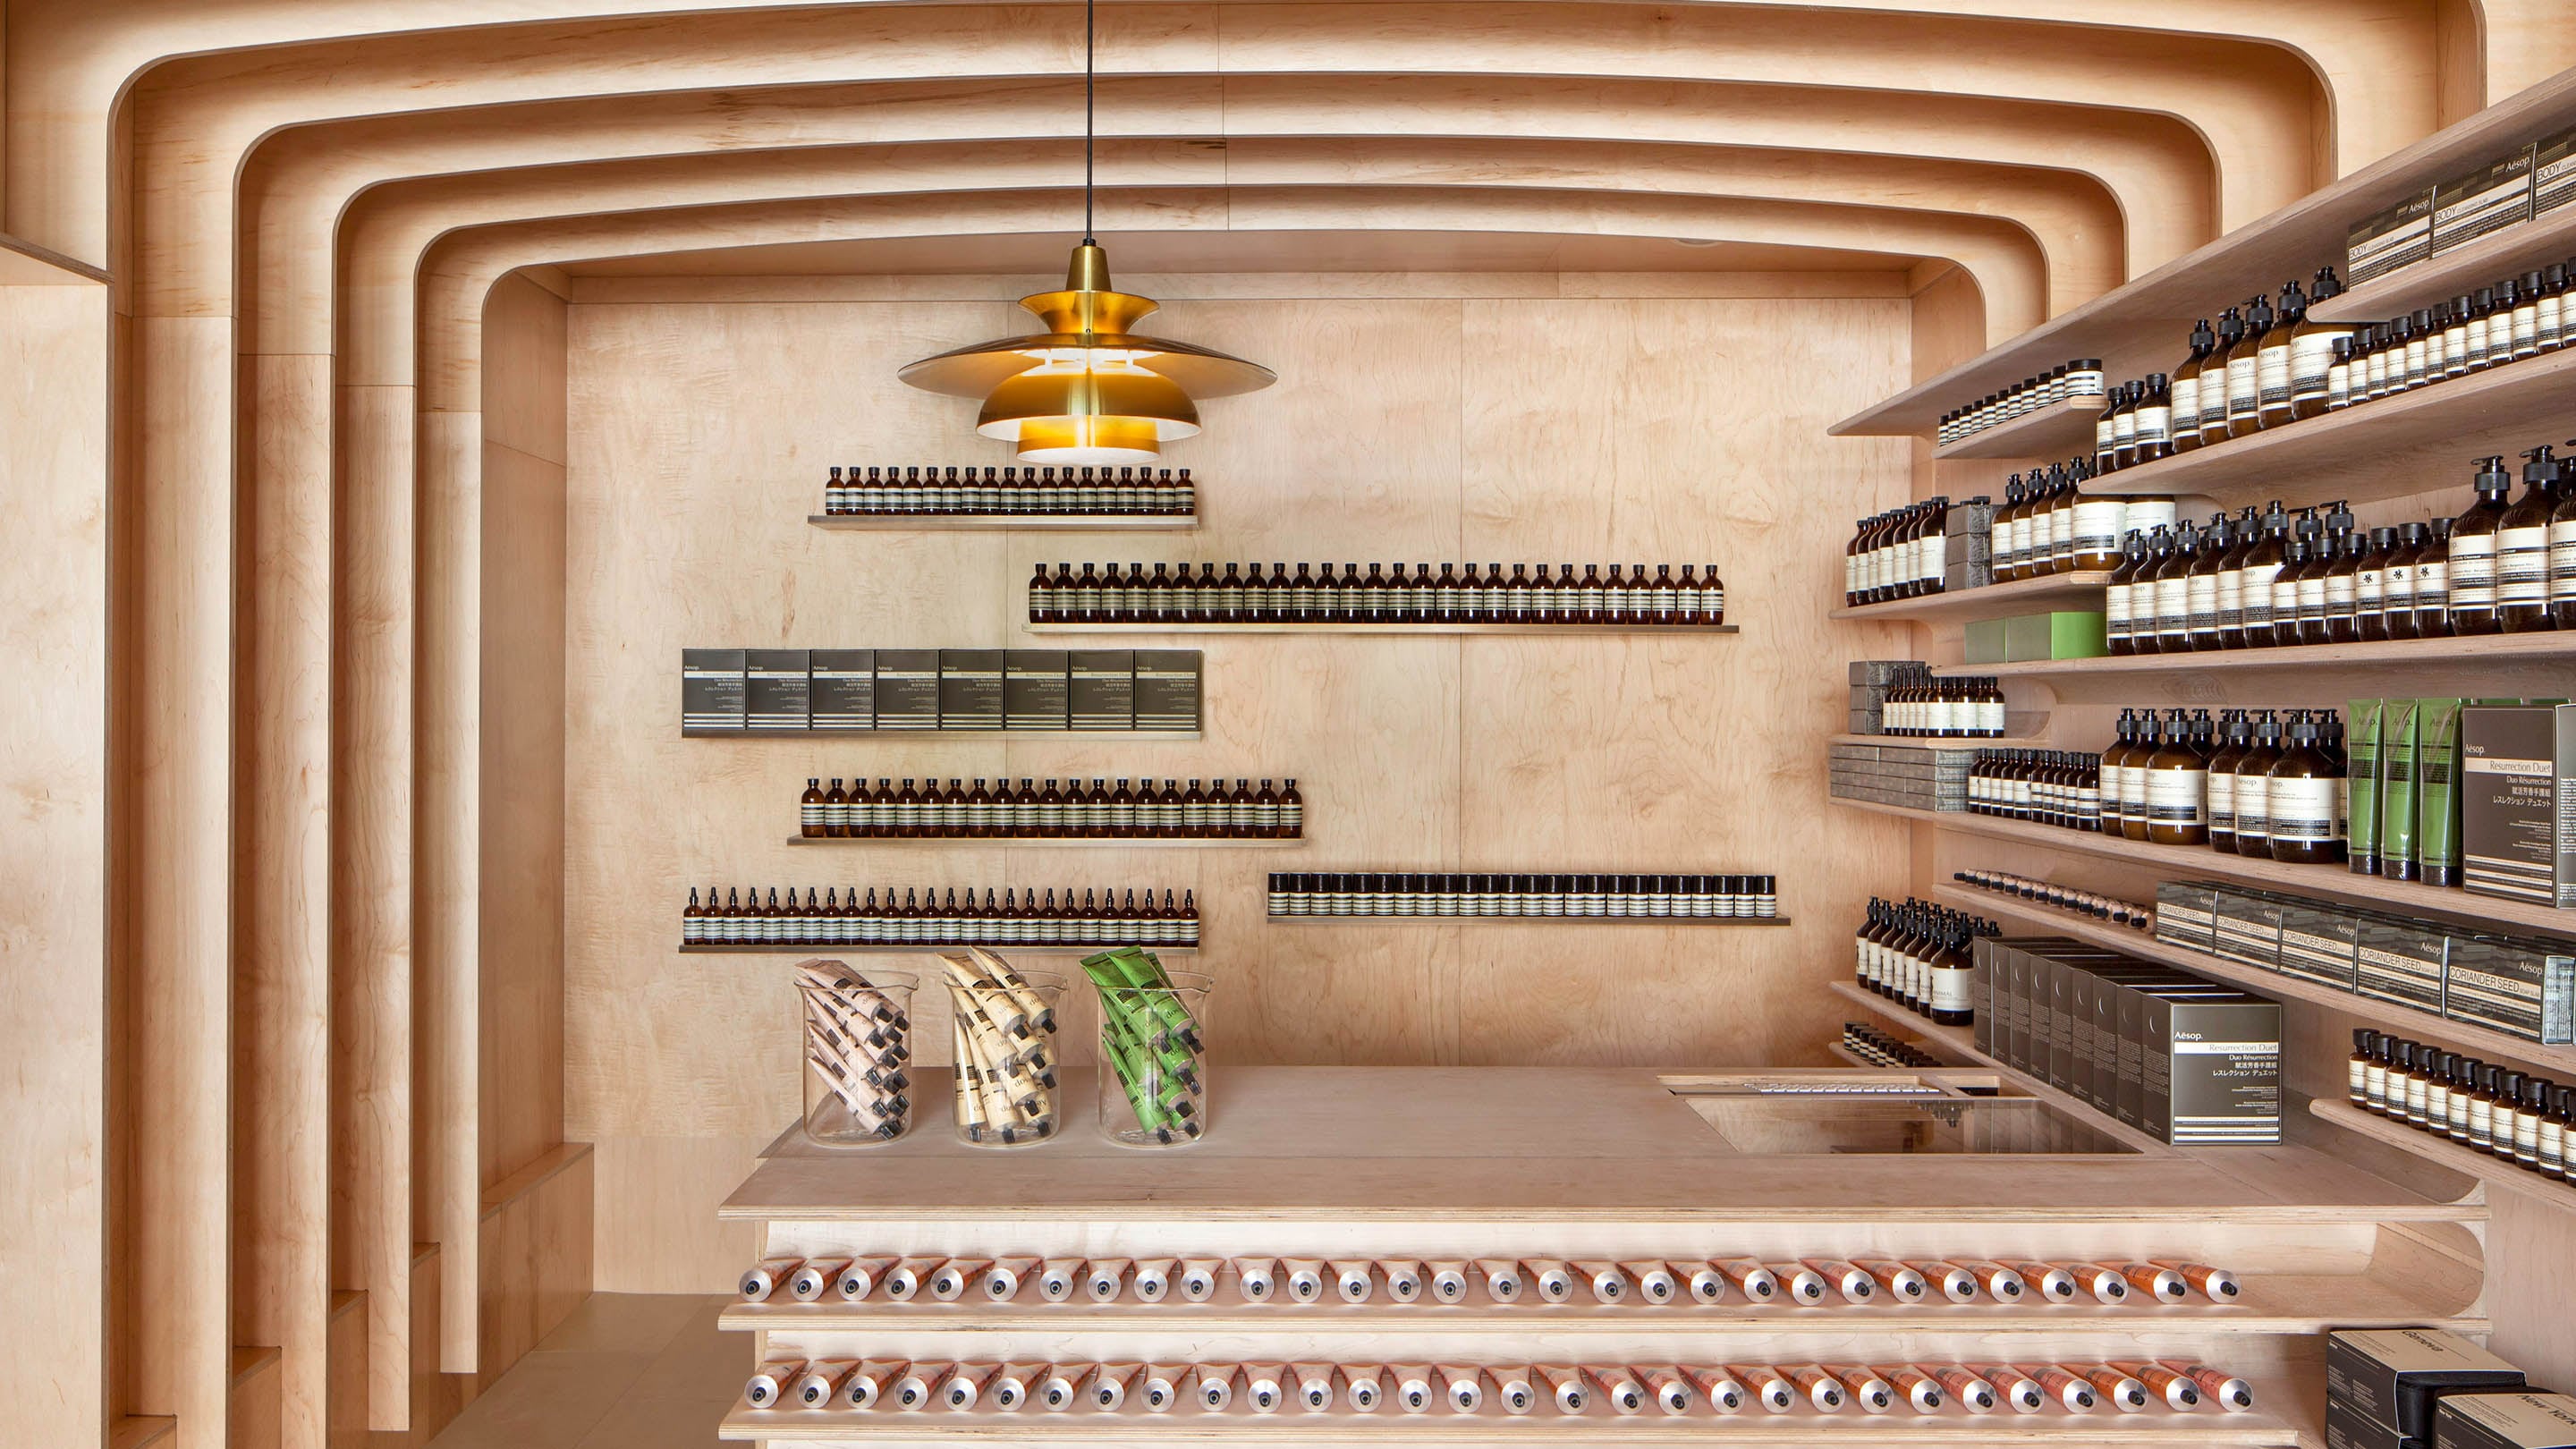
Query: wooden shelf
column 1997, row 742
column 2143, row 326
column 2270, row 1303
column 2046, row 594
column 1961, row 1042
column 2533, row 245
column 2447, row 654
column 1529, row 920
column 916, row 736
column 1014, row 522
column 1015, row 842
column 1321, row 628
column 2404, row 444
column 2278, row 1419
column 2493, row 1171
column 2175, row 862
column 2050, row 432
column 923, row 948
column 2478, row 1039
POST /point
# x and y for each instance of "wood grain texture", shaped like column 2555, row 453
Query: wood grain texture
column 55, row 1144
column 535, row 1252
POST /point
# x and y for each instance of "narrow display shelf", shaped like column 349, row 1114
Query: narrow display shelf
column 2178, row 862
column 2383, row 449
column 2281, row 1417
column 2438, row 1029
column 1023, row 842
column 1529, row 920
column 2058, row 431
column 836, row 736
column 1994, row 601
column 2451, row 654
column 918, row 948
column 1961, row 1043
column 1954, row 742
column 2270, row 1303
column 2142, row 326
column 2442, row 1151
column 997, row 522
column 1325, row 628
column 2531, row 246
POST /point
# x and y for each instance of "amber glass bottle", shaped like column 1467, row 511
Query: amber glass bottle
column 2472, row 553
column 2184, row 389
column 2177, row 786
column 2253, row 781
column 2522, row 548
column 2235, row 736
column 2304, row 797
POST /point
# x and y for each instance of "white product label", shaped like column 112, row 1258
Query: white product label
column 2562, row 559
column 2432, row 584
column 2173, row 605
column 2312, row 597
column 2222, row 797
column 2186, row 401
column 2202, row 590
column 2522, row 566
column 2472, row 561
column 2133, row 789
column 2253, row 805
column 2303, row 807
column 1950, row 991
column 1928, row 555
column 2311, row 358
column 2272, row 375
column 2115, row 609
column 2097, row 524
column 2155, row 425
column 2340, row 591
column 2177, row 797
column 2146, row 515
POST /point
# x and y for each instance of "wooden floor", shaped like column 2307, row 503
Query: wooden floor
column 626, row 1371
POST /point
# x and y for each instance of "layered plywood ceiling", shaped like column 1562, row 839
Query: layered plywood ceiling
column 302, row 205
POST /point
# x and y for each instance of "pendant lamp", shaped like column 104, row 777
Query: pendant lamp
column 1088, row 389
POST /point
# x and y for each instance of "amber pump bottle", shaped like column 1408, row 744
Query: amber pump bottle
column 2173, row 592
column 2213, row 377
column 2177, row 786
column 2272, row 366
column 2562, row 550
column 2235, row 737
column 2264, row 560
column 2312, row 350
column 2244, row 371
column 2184, row 389
column 2522, row 548
column 2119, row 594
column 2472, row 552
column 2201, row 585
column 2253, row 788
column 2304, row 796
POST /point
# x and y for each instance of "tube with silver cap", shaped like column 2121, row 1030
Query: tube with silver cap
column 1553, row 1281
column 2002, row 1284
column 1950, row 1280
column 1513, row 1390
column 1503, row 1280
column 1706, row 1285
column 1061, row 1389
column 1655, row 1280
column 1805, row 1286
column 1668, row 1388
column 1403, row 1278
column 862, row 1276
column 1771, row 1388
column 1874, row 1394
column 820, row 1385
column 1102, row 1278
column 1617, row 1387
column 1256, row 1278
column 1162, row 1386
column 1607, row 1283
column 1152, row 1279
column 1966, row 1385
column 1922, row 1392
column 2105, row 1284
column 2177, row 1390
column 1564, row 1386
column 1901, row 1282
column 1012, row 1388
column 1724, row 1392
column 902, row 1282
column 1413, row 1391
column 1757, row 1283
column 952, row 1278
column 1214, row 1387
column 2125, row 1392
column 2016, row 1388
column 1198, row 1278
column 964, row 1386
column 1462, row 1387
column 2068, row 1389
column 2224, row 1389
column 1314, row 1386
column 768, row 1276
column 1822, row 1389
column 1305, row 1279
column 1847, row 1279
column 1363, row 1387
column 1448, row 1281
column 1003, row 1279
column 814, row 1277
column 1059, row 1279
column 2054, row 1284
column 874, row 1379
column 1265, row 1387
column 2164, row 1285
column 773, row 1381
column 911, row 1388
column 1353, row 1281
column 2215, row 1284
column 1109, row 1385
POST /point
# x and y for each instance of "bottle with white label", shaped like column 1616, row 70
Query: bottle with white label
column 2263, row 562
column 2173, row 593
column 2242, row 534
column 2183, row 392
column 2252, row 798
column 2397, row 580
column 2119, row 592
column 2562, row 550
column 2522, row 549
column 2095, row 527
column 2273, row 365
column 2235, row 737
column 2304, row 796
column 2370, row 585
column 2177, row 786
column 2213, row 378
column 2200, row 584
column 2472, row 553
column 2433, row 583
column 2312, row 350
column 2245, row 370
column 2155, row 418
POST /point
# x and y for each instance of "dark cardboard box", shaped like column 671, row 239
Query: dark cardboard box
column 778, row 690
column 2553, row 172
column 2401, row 961
column 907, row 689
column 2187, row 913
column 2392, row 1375
column 2349, row 1428
column 1167, row 689
column 2518, row 802
column 2524, row 988
column 2398, row 237
column 2249, row 928
column 1103, row 690
column 2504, row 1421
column 842, row 692
column 970, row 689
column 2212, row 1069
column 1037, row 689
column 714, row 690
column 2487, row 200
column 2320, row 943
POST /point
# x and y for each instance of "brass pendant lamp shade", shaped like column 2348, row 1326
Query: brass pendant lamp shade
column 1087, row 390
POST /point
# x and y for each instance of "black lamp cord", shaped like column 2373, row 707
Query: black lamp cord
column 1090, row 39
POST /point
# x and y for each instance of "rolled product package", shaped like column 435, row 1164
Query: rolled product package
column 1002, row 1036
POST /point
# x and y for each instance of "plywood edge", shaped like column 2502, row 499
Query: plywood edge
column 143, row 1431
column 528, row 1179
column 25, row 264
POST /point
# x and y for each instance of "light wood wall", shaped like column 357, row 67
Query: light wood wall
column 305, row 207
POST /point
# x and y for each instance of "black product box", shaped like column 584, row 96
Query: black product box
column 2320, row 943
column 1880, row 672
column 1103, row 690
column 2518, row 802
column 2349, row 1428
column 2398, row 237
column 970, row 689
column 2524, row 988
column 2212, row 1069
column 2504, row 1421
column 2392, row 1375
column 843, row 692
column 2249, row 928
column 2145, row 1068
column 907, row 689
column 2187, row 913
column 2553, row 172
column 2486, row 200
column 2401, row 961
column 714, row 689
column 1167, row 689
column 778, row 688
column 1036, row 689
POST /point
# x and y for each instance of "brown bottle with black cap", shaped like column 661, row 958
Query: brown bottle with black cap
column 2272, row 362
column 2213, row 377
column 2252, row 796
column 2522, row 548
column 2119, row 595
column 2303, row 794
column 2312, row 349
column 2472, row 552
column 2177, row 786
column 2262, row 563
column 2245, row 371
column 2183, row 390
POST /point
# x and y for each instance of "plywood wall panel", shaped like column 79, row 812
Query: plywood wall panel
column 54, row 1138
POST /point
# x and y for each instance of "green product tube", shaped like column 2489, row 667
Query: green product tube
column 2437, row 788
column 2361, row 786
column 2400, row 849
column 1142, row 970
column 1149, row 1113
column 1150, row 1049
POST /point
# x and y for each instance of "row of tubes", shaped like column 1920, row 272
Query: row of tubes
column 1652, row 1281
column 2131, row 1386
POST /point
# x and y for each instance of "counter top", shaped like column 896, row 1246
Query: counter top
column 1513, row 1143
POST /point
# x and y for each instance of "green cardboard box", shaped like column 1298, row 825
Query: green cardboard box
column 2054, row 636
column 1985, row 642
